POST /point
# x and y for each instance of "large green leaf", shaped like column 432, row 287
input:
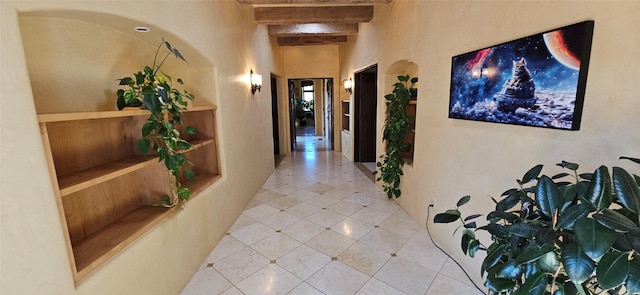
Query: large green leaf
column 599, row 193
column 498, row 285
column 509, row 270
column 143, row 145
column 614, row 221
column 493, row 256
column 463, row 201
column 548, row 196
column 532, row 174
column 633, row 236
column 445, row 218
column 533, row 253
column 534, row 285
column 627, row 190
column 612, row 270
column 525, row 230
column 578, row 265
column 633, row 280
column 594, row 238
column 549, row 262
column 571, row 214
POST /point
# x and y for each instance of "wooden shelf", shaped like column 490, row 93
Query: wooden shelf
column 78, row 181
column 104, row 189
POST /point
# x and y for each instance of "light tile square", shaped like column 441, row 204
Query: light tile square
column 283, row 202
column 272, row 279
column 330, row 243
column 253, row 233
column 337, row 278
column 352, row 228
column 426, row 255
column 303, row 210
column 275, row 246
column 444, row 285
column 242, row 221
column 280, row 220
column 361, row 198
column 406, row 276
column 240, row 265
column 371, row 216
column 400, row 223
column 326, row 218
column 260, row 212
column 305, row 289
column 303, row 195
column 364, row 258
column 345, row 208
column 304, row 261
column 206, row 281
column 377, row 287
column 322, row 201
column 303, row 230
column 384, row 240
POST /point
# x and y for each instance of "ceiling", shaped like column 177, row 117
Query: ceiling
column 312, row 22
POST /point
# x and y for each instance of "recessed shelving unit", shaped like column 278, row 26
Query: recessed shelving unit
column 345, row 115
column 105, row 189
column 410, row 137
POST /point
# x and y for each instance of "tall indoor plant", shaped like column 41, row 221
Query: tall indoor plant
column 396, row 127
column 566, row 234
column 153, row 90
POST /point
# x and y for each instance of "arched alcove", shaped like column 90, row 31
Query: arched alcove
column 74, row 59
column 401, row 68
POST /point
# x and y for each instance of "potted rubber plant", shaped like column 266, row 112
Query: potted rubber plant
column 154, row 90
column 396, row 126
column 569, row 233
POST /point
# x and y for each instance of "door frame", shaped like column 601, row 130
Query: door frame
column 360, row 109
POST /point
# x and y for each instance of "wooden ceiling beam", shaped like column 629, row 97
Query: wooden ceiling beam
column 301, row 30
column 319, row 40
column 313, row 2
column 309, row 14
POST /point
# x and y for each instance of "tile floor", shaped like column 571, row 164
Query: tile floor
column 320, row 226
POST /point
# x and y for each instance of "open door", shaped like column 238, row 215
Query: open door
column 274, row 115
column 366, row 104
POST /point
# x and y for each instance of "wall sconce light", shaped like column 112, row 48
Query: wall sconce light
column 348, row 86
column 256, row 82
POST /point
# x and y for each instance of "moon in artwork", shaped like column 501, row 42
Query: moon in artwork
column 557, row 45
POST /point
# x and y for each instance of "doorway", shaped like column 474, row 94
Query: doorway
column 274, row 119
column 311, row 114
column 365, row 108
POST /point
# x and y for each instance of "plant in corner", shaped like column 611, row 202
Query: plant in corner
column 154, row 91
column 559, row 236
column 396, row 127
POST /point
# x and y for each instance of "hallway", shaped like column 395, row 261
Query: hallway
column 319, row 226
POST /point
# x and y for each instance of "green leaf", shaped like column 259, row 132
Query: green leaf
column 498, row 285
column 612, row 270
column 463, row 201
column 578, row 265
column 533, row 253
column 147, row 128
column 470, row 217
column 508, row 203
column 560, row 175
column 509, row 270
column 126, row 81
column 532, row 174
column 120, row 102
column 493, row 256
column 467, row 239
column 183, row 145
column 547, row 196
column 549, row 262
column 614, row 221
column 525, row 230
column 594, row 239
column 630, row 159
column 545, row 235
column 143, row 145
column 633, row 236
column 445, row 218
column 190, row 175
column 191, row 130
column 633, row 280
column 495, row 229
column 571, row 214
column 627, row 190
column 498, row 215
column 534, row 285
column 569, row 165
column 599, row 192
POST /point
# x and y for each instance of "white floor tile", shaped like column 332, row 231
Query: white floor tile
column 364, row 258
column 206, row 281
column 337, row 278
column 376, row 287
column 330, row 243
column 406, row 276
column 228, row 245
column 305, row 289
column 326, row 218
column 280, row 220
column 444, row 285
column 241, row 265
column 304, row 230
column 275, row 246
column 352, row 228
column 253, row 233
column 304, row 261
column 272, row 279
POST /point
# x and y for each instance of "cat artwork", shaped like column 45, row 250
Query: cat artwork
column 519, row 90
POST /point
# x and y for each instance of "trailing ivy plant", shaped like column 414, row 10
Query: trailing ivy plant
column 154, row 91
column 396, row 127
column 569, row 233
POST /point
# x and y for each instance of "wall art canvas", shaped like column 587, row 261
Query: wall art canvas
column 537, row 80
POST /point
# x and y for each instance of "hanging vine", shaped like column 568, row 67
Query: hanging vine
column 396, row 127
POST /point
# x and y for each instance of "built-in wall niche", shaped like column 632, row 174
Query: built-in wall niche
column 401, row 68
column 345, row 114
column 107, row 192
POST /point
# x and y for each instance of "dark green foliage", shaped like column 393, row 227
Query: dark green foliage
column 395, row 129
column 561, row 237
column 161, row 132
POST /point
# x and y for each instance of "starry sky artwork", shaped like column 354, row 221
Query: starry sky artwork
column 494, row 84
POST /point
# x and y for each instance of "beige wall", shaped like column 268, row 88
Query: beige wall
column 456, row 157
column 75, row 51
